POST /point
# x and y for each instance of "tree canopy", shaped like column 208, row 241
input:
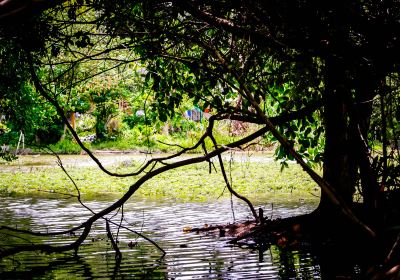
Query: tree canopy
column 321, row 78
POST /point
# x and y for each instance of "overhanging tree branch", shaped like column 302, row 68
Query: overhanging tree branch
column 261, row 36
column 132, row 189
column 332, row 194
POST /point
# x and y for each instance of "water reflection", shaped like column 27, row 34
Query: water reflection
column 189, row 255
column 295, row 264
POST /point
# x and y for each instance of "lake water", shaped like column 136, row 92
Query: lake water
column 188, row 255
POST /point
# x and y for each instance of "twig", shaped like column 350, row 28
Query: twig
column 392, row 250
column 171, row 145
column 78, row 196
column 142, row 236
column 120, row 222
column 48, row 248
column 210, row 163
column 118, row 254
column 231, row 180
column 228, row 185
column 56, row 192
column 59, row 162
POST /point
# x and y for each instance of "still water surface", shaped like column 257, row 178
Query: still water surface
column 188, row 255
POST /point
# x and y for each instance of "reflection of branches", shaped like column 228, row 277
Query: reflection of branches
column 153, row 172
column 118, row 254
column 140, row 235
column 16, row 236
column 48, row 248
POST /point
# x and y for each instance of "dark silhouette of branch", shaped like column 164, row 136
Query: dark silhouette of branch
column 264, row 37
column 328, row 189
column 15, row 9
column 285, row 117
column 228, row 185
column 210, row 163
column 48, row 248
column 141, row 235
column 118, row 254
column 132, row 189
column 95, row 56
column 148, row 175
column 78, row 196
column 170, row 145
column 60, row 111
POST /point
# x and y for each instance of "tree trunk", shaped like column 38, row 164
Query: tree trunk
column 361, row 117
column 346, row 116
column 72, row 119
column 369, row 184
column 339, row 167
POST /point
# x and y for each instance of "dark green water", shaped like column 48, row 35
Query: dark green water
column 188, row 255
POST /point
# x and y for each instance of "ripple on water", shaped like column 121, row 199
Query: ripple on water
column 189, row 255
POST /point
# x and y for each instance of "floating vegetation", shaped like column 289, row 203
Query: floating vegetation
column 254, row 179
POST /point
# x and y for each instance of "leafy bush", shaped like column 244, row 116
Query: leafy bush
column 85, row 123
column 66, row 146
column 7, row 156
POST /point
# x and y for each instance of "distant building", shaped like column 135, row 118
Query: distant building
column 194, row 114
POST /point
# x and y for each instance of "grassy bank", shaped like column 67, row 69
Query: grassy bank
column 154, row 143
column 152, row 139
column 189, row 183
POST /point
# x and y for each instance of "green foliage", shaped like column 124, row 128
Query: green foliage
column 133, row 120
column 307, row 136
column 7, row 156
column 85, row 124
column 66, row 146
column 26, row 111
